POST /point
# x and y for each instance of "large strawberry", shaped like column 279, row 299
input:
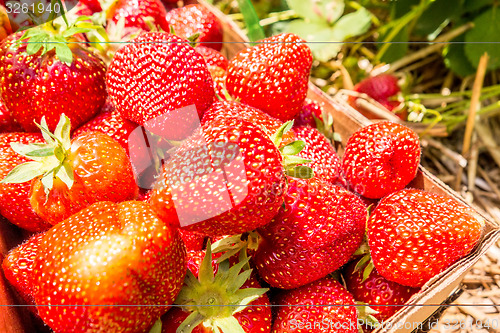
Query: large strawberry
column 321, row 306
column 42, row 75
column 228, row 178
column 7, row 124
column 381, row 158
column 70, row 175
column 414, row 235
column 15, row 198
column 197, row 19
column 272, row 76
column 135, row 14
column 161, row 82
column 221, row 286
column 119, row 260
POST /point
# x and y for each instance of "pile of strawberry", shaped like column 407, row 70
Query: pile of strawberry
column 176, row 191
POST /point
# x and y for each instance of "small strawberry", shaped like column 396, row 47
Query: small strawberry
column 193, row 19
column 7, row 124
column 105, row 256
column 208, row 296
column 15, row 198
column 161, row 82
column 136, row 12
column 43, row 76
column 212, row 57
column 414, row 235
column 70, row 175
column 194, row 241
column 376, row 291
column 381, row 158
column 272, row 76
column 321, row 306
column 307, row 116
column 219, row 77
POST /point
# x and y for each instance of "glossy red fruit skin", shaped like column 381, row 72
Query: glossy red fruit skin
column 272, row 76
column 113, row 254
column 193, row 192
column 309, row 110
column 380, row 88
column 414, row 235
column 219, row 77
column 381, row 158
column 7, row 124
column 93, row 5
column 324, row 160
column 294, row 318
column 154, row 95
column 316, row 233
column 194, row 241
column 191, row 19
column 134, row 12
column 15, row 198
column 212, row 57
column 41, row 85
column 102, row 172
column 376, row 291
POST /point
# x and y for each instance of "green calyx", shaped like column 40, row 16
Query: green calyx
column 213, row 299
column 291, row 161
column 365, row 314
column 366, row 262
column 49, row 160
column 325, row 126
column 236, row 244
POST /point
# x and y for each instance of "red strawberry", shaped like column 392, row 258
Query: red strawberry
column 93, row 5
column 309, row 111
column 381, row 88
column 37, row 82
column 225, row 285
column 414, row 235
column 219, row 77
column 18, row 267
column 325, row 161
column 7, row 124
column 212, row 57
column 71, row 175
column 15, row 198
column 315, row 233
column 376, row 290
column 108, row 254
column 135, row 12
column 294, row 315
column 159, row 81
column 194, row 241
column 381, row 158
column 272, row 76
column 189, row 20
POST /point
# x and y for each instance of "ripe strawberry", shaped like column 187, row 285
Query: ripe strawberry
column 309, row 111
column 324, row 160
column 135, row 12
column 225, row 285
column 71, row 175
column 15, row 198
column 155, row 79
column 381, row 88
column 294, row 314
column 212, row 57
column 108, row 254
column 228, row 178
column 189, row 20
column 39, row 79
column 219, row 77
column 18, row 267
column 315, row 233
column 381, row 158
column 272, row 76
column 93, row 5
column 194, row 241
column 7, row 124
column 376, row 290
column 414, row 235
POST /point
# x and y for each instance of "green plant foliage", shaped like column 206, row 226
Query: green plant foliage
column 456, row 60
column 483, row 38
column 439, row 13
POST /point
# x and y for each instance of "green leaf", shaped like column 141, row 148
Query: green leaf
column 352, row 24
column 252, row 22
column 292, row 160
column 206, row 273
column 396, row 50
column 368, row 270
column 23, row 173
column 45, row 131
column 48, row 182
column 75, row 30
column 277, row 137
column 483, row 38
column 64, row 53
column 438, row 13
column 32, row 149
column 317, row 33
column 293, row 148
column 301, row 171
column 156, row 327
column 455, row 58
column 475, row 5
column 63, row 130
column 318, row 11
column 229, row 325
column 35, row 44
column 193, row 320
column 65, row 174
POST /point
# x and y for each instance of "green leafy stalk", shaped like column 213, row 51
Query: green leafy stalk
column 252, row 22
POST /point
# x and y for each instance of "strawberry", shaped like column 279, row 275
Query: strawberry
column 325, row 161
column 228, row 178
column 381, row 88
column 135, row 12
column 306, row 116
column 193, row 19
column 219, row 77
column 414, row 235
column 159, row 81
column 315, row 233
column 272, row 76
column 7, row 124
column 108, row 254
column 381, row 158
column 376, row 291
column 194, row 241
column 70, row 175
column 210, row 283
column 40, row 79
column 93, row 5
column 15, row 198
column 212, row 57
column 299, row 310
